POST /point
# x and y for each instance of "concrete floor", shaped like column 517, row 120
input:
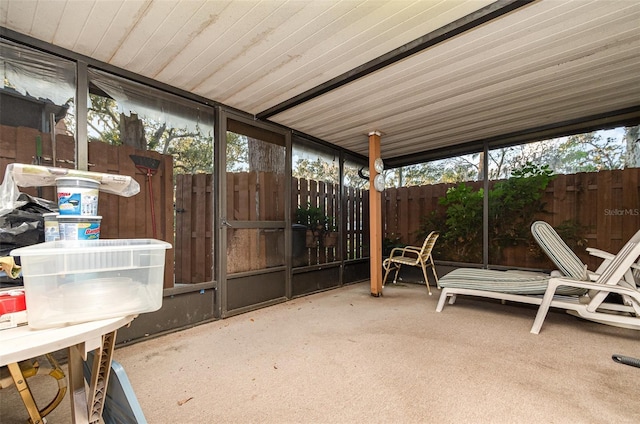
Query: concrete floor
column 343, row 356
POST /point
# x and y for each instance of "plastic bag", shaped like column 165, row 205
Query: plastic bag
column 24, row 224
column 24, row 175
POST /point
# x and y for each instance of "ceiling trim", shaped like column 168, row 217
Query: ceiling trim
column 466, row 23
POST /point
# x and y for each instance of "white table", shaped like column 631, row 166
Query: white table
column 22, row 343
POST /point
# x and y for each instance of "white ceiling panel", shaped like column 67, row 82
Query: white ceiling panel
column 336, row 70
column 543, row 65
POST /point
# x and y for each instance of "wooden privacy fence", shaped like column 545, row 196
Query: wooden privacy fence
column 194, row 228
column 250, row 196
column 353, row 234
column 316, row 194
column 254, row 196
column 122, row 217
column 356, row 214
column 607, row 203
column 258, row 196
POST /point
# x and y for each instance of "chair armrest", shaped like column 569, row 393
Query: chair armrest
column 599, row 288
column 403, row 250
column 555, row 282
column 600, row 253
column 607, row 257
column 593, row 276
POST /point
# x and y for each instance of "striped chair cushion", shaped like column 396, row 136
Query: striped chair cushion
column 515, row 282
column 557, row 250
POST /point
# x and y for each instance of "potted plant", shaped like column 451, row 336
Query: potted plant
column 312, row 218
column 320, row 228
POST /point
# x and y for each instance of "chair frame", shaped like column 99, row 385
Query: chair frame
column 610, row 281
column 21, row 371
column 413, row 256
column 612, row 276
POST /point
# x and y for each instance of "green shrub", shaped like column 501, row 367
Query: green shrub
column 513, row 206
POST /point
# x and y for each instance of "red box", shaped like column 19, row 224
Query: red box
column 12, row 301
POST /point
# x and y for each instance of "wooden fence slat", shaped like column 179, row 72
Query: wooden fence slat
column 182, row 210
column 265, row 199
column 604, row 202
column 252, row 189
column 390, row 218
column 8, row 142
column 198, row 233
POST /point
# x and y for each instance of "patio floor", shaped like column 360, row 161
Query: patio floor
column 343, row 356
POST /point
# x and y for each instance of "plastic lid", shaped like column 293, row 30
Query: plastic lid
column 87, row 180
column 79, row 217
column 82, row 246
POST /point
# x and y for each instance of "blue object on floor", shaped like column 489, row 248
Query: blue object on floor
column 121, row 404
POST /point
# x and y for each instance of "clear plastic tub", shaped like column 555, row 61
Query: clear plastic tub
column 73, row 281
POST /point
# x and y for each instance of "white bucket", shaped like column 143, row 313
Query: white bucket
column 77, row 196
column 51, row 232
column 79, row 227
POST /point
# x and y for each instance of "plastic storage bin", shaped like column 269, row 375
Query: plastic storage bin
column 73, row 281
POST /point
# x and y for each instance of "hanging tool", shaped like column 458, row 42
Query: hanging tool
column 148, row 166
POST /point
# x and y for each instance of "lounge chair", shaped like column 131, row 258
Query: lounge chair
column 610, row 281
column 413, row 256
column 568, row 263
column 573, row 287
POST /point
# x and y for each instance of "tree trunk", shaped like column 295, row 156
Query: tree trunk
column 132, row 131
column 632, row 137
column 265, row 157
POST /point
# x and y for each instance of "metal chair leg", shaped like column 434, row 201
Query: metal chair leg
column 426, row 280
column 25, row 393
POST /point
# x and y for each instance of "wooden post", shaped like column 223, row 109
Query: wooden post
column 375, row 219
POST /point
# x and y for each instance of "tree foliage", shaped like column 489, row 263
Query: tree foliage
column 317, row 169
column 513, row 205
column 192, row 151
column 588, row 152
